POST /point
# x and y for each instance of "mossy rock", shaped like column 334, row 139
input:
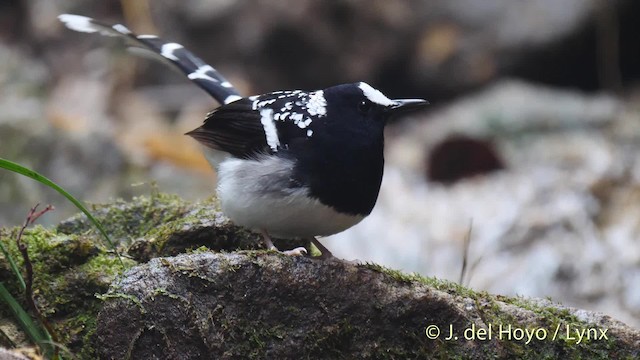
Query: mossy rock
column 265, row 305
column 69, row 270
column 222, row 298
column 73, row 266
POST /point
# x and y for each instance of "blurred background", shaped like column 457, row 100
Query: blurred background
column 526, row 161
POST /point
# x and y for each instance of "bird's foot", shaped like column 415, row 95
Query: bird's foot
column 299, row 251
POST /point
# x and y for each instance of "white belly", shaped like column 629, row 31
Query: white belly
column 256, row 194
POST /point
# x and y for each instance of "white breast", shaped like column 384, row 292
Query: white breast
column 258, row 194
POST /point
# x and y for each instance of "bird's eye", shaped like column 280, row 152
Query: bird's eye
column 364, row 107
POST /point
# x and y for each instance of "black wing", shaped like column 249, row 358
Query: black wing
column 266, row 123
column 235, row 128
column 202, row 74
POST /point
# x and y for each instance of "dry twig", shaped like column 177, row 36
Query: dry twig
column 24, row 250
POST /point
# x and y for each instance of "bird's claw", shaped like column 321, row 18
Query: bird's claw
column 299, row 251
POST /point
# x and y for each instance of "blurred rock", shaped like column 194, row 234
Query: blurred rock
column 436, row 49
column 512, row 110
column 19, row 354
column 433, row 48
column 83, row 165
column 70, row 135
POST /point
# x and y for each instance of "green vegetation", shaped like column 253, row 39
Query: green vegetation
column 37, row 332
column 17, row 168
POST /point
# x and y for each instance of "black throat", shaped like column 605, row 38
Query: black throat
column 342, row 174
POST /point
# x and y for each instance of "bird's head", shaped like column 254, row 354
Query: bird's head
column 365, row 105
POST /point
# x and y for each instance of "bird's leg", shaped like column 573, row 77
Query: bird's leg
column 299, row 251
column 267, row 240
column 326, row 254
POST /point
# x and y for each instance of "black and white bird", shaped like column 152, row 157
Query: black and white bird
column 290, row 164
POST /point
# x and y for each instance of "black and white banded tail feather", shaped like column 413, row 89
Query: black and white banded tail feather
column 202, row 74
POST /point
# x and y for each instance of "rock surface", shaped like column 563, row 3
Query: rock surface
column 73, row 266
column 261, row 305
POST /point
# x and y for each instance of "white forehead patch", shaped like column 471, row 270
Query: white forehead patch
column 266, row 118
column 375, row 96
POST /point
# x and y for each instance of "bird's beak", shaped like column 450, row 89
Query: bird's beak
column 406, row 105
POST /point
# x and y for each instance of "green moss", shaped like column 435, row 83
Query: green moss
column 439, row 284
column 199, row 225
column 164, row 292
column 72, row 267
column 543, row 315
column 199, row 250
column 250, row 339
column 333, row 340
column 69, row 270
column 117, row 295
column 126, row 221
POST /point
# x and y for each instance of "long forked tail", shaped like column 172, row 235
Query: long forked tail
column 202, row 74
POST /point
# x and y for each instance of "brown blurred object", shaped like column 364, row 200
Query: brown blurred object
column 459, row 157
column 138, row 15
column 177, row 149
column 438, row 44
